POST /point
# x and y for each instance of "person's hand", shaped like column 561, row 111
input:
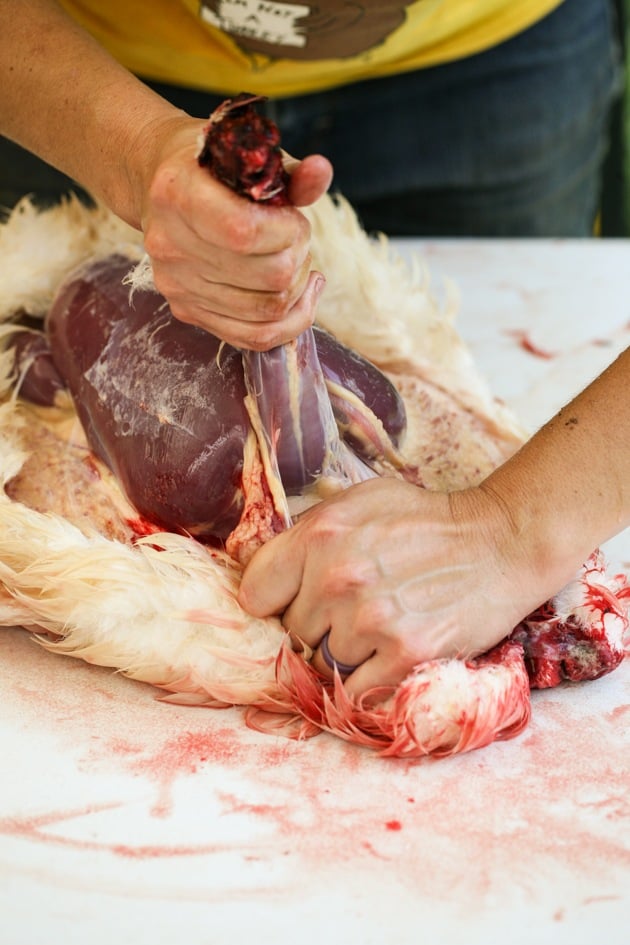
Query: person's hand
column 398, row 575
column 240, row 270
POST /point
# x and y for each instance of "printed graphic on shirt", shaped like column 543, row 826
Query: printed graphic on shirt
column 326, row 30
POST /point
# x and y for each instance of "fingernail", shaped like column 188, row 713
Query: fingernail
column 318, row 286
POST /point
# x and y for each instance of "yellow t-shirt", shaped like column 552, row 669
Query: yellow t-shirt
column 280, row 48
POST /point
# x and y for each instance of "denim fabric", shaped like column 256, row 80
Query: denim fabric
column 509, row 142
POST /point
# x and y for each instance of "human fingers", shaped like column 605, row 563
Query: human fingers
column 196, row 268
column 260, row 289
column 273, row 576
column 233, row 270
column 334, row 611
column 327, row 659
column 377, row 654
column 252, row 331
column 184, row 194
column 331, row 610
column 219, row 254
column 310, row 178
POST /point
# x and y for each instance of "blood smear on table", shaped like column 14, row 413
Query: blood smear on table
column 528, row 345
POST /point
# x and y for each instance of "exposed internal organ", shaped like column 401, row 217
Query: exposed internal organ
column 164, row 404
column 38, row 379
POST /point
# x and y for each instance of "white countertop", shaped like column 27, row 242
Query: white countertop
column 126, row 820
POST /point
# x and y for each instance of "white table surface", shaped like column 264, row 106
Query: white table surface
column 124, row 820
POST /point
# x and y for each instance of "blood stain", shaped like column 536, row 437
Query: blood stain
column 528, row 345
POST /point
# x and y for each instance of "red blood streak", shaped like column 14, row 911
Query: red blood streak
column 393, row 825
column 35, row 828
column 618, row 713
column 142, row 527
column 528, row 345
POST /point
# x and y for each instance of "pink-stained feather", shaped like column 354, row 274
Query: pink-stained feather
column 442, row 707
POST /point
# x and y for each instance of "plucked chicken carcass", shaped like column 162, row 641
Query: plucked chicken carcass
column 132, row 449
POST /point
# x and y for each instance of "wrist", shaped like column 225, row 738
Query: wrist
column 144, row 146
column 523, row 542
column 543, row 538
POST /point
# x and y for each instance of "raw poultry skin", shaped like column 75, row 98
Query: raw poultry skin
column 163, row 403
column 94, row 579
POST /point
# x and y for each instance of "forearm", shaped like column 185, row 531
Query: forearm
column 64, row 98
column 568, row 488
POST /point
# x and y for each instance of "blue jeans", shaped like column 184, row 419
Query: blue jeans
column 509, row 142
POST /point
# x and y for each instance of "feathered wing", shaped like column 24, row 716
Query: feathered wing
column 161, row 609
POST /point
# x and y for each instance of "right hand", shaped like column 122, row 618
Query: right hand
column 240, row 270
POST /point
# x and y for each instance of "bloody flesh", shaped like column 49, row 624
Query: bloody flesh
column 242, row 150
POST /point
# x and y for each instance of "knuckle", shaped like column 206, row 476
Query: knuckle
column 326, row 525
column 348, row 578
column 407, row 644
column 407, row 654
column 303, row 228
column 262, row 338
column 162, row 186
column 375, row 615
column 240, row 232
column 283, row 272
column 157, row 244
column 183, row 313
column 273, row 307
column 168, row 286
column 279, row 277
